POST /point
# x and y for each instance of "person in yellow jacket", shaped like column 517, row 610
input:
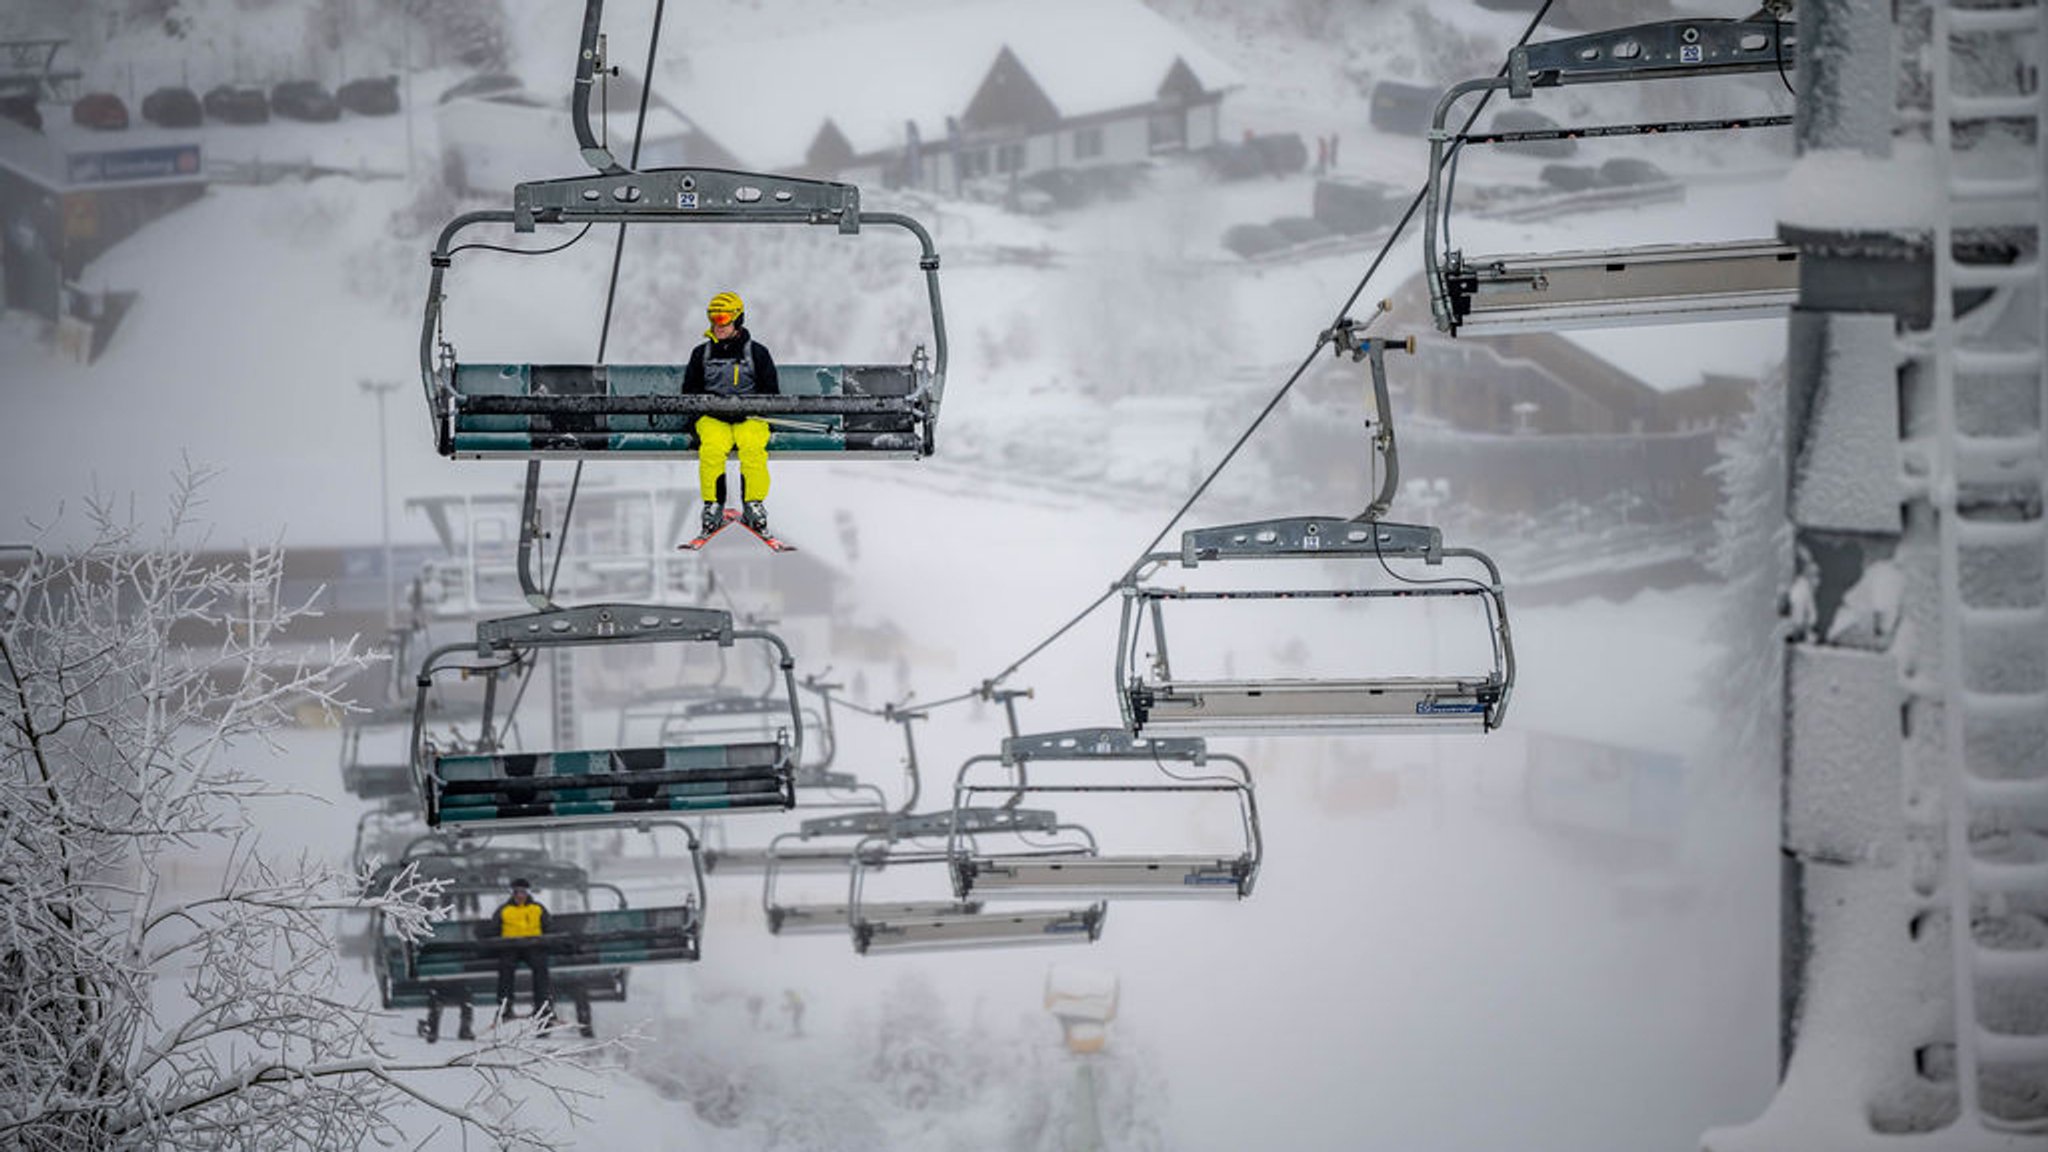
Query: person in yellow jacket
column 524, row 920
column 731, row 363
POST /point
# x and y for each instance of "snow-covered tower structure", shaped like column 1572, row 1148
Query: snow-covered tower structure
column 1915, row 835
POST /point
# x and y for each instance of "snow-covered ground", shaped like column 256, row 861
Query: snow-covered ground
column 1423, row 964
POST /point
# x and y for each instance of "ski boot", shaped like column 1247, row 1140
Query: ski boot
column 755, row 516
column 714, row 515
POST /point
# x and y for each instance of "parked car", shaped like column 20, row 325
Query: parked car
column 1301, row 229
column 1249, row 240
column 1281, row 152
column 103, row 111
column 1625, row 170
column 172, row 107
column 369, row 96
column 482, row 84
column 1403, row 109
column 1570, row 177
column 1524, row 120
column 20, row 107
column 233, row 105
column 304, row 100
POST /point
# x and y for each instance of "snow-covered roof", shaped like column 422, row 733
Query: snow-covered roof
column 766, row 101
column 1670, row 357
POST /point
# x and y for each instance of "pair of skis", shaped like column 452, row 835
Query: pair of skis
column 732, row 517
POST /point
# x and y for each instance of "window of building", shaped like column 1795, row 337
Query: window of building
column 1087, row 143
column 1010, row 158
column 973, row 163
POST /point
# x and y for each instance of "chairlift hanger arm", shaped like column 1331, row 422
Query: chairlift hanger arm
column 589, row 64
column 1347, row 338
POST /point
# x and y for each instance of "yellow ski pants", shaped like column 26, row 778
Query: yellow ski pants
column 716, row 439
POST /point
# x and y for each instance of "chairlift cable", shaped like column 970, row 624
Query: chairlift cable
column 1322, row 339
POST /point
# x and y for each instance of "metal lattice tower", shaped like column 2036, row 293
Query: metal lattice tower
column 1916, row 763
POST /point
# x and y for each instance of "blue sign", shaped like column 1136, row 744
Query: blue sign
column 169, row 161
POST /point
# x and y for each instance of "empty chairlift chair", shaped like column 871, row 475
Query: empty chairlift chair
column 798, row 917
column 879, row 929
column 1478, row 295
column 483, row 785
column 1379, row 565
column 526, row 411
column 829, row 844
column 1166, row 768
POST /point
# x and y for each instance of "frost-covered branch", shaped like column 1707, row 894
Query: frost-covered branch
column 138, row 1014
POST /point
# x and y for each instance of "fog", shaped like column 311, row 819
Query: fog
column 1455, row 941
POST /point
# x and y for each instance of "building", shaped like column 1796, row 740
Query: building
column 67, row 195
column 985, row 92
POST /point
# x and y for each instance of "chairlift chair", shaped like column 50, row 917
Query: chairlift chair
column 1665, row 283
column 878, row 931
column 1037, row 870
column 590, row 951
column 1156, row 702
column 830, row 843
column 797, row 918
column 573, row 411
column 488, row 786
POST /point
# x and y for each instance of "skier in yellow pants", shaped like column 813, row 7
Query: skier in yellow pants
column 731, row 363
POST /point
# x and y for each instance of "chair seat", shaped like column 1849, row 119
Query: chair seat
column 1103, row 877
column 558, row 786
column 529, row 411
column 809, row 919
column 578, row 940
column 1194, row 706
column 978, row 930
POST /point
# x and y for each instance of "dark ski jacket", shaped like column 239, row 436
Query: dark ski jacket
column 726, row 354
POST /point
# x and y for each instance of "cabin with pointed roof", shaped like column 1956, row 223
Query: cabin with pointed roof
column 991, row 91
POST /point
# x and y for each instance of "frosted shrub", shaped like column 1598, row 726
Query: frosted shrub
column 163, row 981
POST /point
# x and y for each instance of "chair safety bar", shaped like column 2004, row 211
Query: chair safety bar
column 820, row 919
column 535, row 411
column 1153, row 701
column 1657, row 284
column 1660, row 284
column 1039, row 870
column 483, row 784
column 876, row 931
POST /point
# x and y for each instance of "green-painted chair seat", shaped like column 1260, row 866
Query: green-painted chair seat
column 619, row 938
column 554, row 785
column 896, row 429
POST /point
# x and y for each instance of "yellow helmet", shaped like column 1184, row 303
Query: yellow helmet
column 727, row 302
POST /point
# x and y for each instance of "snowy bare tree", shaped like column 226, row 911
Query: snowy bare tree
column 1752, row 552
column 162, row 983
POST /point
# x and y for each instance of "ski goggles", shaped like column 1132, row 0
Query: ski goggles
column 722, row 317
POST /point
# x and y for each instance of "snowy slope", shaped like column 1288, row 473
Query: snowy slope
column 1423, row 965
